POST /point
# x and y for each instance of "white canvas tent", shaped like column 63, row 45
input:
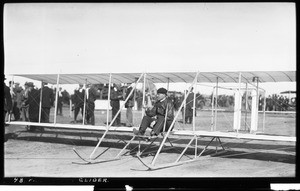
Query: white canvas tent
column 164, row 77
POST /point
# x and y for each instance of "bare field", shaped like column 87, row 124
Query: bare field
column 50, row 154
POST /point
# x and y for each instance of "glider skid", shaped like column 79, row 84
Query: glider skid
column 91, row 161
column 95, row 161
column 152, row 166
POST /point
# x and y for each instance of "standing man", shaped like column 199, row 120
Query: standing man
column 92, row 96
column 189, row 107
column 7, row 101
column 24, row 107
column 59, row 102
column 78, row 102
column 115, row 98
column 47, row 102
column 129, row 105
column 161, row 109
column 16, row 99
column 33, row 102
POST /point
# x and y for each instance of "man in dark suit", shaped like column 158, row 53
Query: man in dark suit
column 129, row 105
column 115, row 98
column 92, row 96
column 47, row 102
column 16, row 101
column 59, row 102
column 189, row 107
column 78, row 101
column 7, row 106
column 7, row 101
column 33, row 102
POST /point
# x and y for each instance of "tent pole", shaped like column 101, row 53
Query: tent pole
column 239, row 102
column 257, row 99
column 212, row 109
column 56, row 98
column 194, row 107
column 246, row 106
column 144, row 95
column 216, row 107
column 84, row 102
column 264, row 112
column 41, row 97
column 108, row 100
column 194, row 117
column 184, row 108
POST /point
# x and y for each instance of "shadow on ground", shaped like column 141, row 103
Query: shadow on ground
column 118, row 140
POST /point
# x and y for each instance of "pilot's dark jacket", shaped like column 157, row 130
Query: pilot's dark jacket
column 159, row 111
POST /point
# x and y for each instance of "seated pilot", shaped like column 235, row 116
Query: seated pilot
column 156, row 115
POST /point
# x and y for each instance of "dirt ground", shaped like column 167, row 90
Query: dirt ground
column 50, row 154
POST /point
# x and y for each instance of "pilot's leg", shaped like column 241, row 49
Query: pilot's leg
column 146, row 121
column 159, row 125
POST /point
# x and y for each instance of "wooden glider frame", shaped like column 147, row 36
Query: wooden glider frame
column 195, row 135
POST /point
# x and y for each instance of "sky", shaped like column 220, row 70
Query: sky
column 150, row 37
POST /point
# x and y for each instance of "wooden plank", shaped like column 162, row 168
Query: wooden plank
column 174, row 132
column 235, row 135
column 73, row 126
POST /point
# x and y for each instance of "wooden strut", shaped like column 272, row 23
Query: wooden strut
column 118, row 156
column 108, row 126
column 151, row 167
column 89, row 161
column 168, row 132
column 140, row 139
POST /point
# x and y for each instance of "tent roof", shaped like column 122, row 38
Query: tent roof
column 288, row 92
column 164, row 77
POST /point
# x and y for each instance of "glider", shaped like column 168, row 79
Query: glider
column 250, row 78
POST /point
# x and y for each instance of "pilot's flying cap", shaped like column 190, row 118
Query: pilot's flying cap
column 162, row 91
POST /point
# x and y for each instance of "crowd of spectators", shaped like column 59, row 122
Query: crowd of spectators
column 278, row 103
column 26, row 101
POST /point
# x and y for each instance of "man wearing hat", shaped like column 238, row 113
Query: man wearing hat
column 16, row 100
column 115, row 97
column 33, row 101
column 189, row 107
column 47, row 102
column 24, row 107
column 129, row 105
column 91, row 98
column 78, row 101
column 7, row 100
column 161, row 109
